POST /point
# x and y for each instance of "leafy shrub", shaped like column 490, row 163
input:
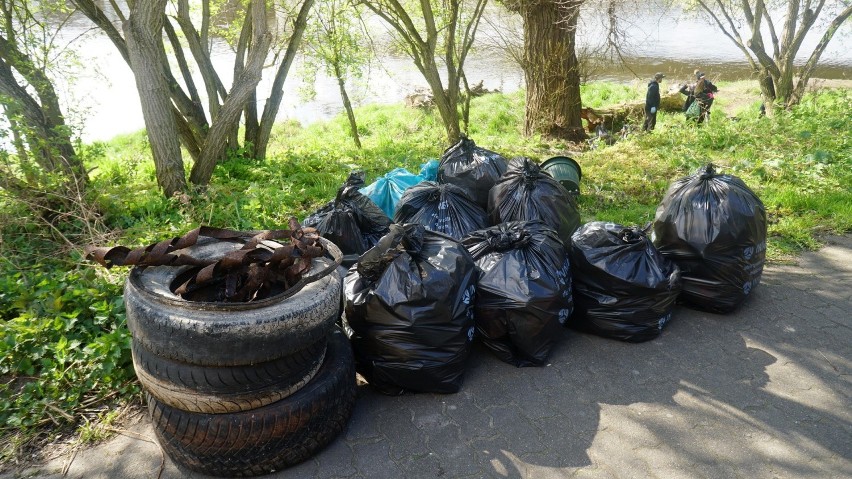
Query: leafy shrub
column 64, row 342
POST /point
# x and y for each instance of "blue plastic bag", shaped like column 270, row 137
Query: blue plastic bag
column 387, row 190
column 429, row 170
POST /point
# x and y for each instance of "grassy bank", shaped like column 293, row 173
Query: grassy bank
column 64, row 353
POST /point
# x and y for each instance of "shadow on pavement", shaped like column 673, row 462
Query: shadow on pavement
column 762, row 392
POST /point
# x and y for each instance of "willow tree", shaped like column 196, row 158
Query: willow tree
column 334, row 43
column 550, row 65
column 41, row 140
column 436, row 35
column 204, row 120
column 753, row 26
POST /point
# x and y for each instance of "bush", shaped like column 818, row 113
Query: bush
column 65, row 344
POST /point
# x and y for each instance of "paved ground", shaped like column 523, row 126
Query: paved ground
column 762, row 393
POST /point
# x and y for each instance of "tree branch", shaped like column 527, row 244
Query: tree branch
column 242, row 46
column 243, row 87
column 789, row 29
column 415, row 45
column 749, row 16
column 429, row 19
column 470, row 31
column 402, row 22
column 30, row 111
column 37, row 79
column 97, row 16
column 212, row 82
column 270, row 110
column 776, row 52
column 8, row 20
column 117, row 11
column 808, row 20
column 754, row 20
column 181, row 61
column 736, row 39
column 205, row 26
column 450, row 47
column 810, row 65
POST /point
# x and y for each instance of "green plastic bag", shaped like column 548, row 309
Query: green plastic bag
column 694, row 110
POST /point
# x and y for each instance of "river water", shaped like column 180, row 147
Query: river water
column 102, row 98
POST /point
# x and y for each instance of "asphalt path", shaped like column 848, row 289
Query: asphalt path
column 763, row 392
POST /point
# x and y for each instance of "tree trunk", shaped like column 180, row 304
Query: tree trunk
column 465, row 106
column 353, row 126
column 273, row 103
column 212, row 83
column 252, row 126
column 808, row 69
column 187, row 136
column 767, row 90
column 799, row 19
column 143, row 32
column 51, row 137
column 447, row 108
column 188, row 112
column 20, row 147
column 551, row 70
column 450, row 116
column 229, row 114
column 784, row 85
column 47, row 135
column 450, row 29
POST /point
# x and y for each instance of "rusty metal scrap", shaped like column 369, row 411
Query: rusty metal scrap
column 265, row 265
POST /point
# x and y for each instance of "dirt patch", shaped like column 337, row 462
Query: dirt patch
column 65, row 441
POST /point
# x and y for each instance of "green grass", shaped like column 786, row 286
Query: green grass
column 599, row 95
column 64, row 339
column 799, row 163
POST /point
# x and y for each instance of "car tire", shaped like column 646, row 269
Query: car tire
column 223, row 389
column 228, row 334
column 269, row 438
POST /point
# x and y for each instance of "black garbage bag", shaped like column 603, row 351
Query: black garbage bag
column 714, row 227
column 409, row 303
column 524, row 292
column 525, row 192
column 351, row 221
column 446, row 209
column 472, row 168
column 623, row 287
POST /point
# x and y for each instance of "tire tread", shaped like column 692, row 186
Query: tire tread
column 266, row 439
column 210, row 389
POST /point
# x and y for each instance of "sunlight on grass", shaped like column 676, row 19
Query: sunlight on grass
column 795, row 164
column 64, row 323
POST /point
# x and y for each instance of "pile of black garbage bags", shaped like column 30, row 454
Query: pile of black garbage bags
column 493, row 250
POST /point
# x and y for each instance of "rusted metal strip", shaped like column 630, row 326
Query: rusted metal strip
column 263, row 267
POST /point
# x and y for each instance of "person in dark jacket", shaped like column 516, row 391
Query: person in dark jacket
column 652, row 102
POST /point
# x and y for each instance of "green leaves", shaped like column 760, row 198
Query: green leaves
column 64, row 341
column 334, row 40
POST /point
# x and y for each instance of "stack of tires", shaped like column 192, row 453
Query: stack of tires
column 241, row 389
